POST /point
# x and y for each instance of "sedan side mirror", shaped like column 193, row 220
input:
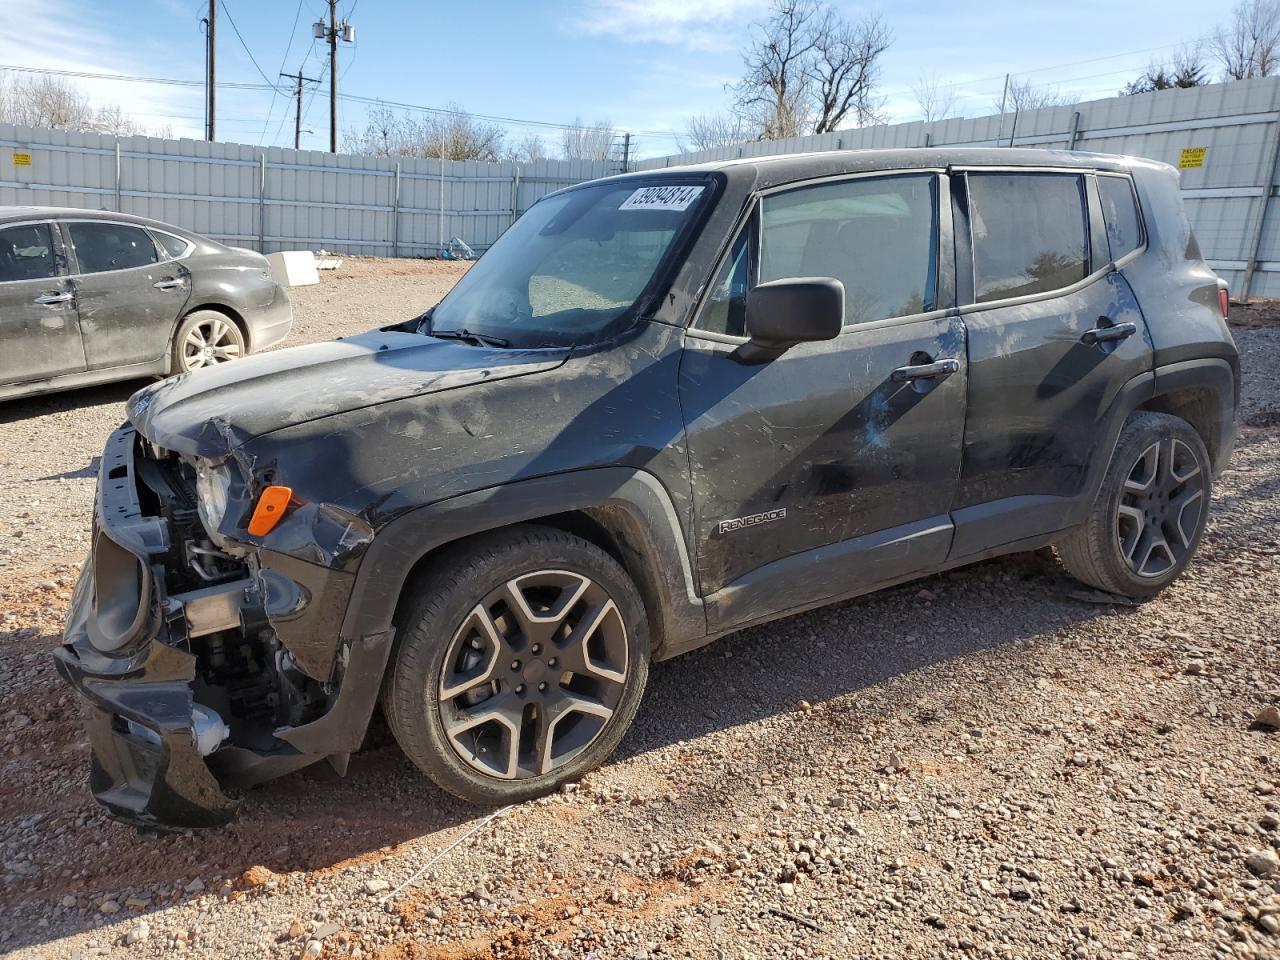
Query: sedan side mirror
column 782, row 313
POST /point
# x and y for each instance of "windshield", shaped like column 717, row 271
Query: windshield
column 575, row 263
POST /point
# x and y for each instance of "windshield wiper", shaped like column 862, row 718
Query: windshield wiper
column 465, row 334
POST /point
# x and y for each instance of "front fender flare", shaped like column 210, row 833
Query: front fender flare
column 632, row 503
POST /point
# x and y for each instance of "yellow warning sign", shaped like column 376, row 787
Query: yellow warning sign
column 1191, row 158
column 21, row 159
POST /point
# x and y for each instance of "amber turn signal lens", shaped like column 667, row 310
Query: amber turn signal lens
column 270, row 510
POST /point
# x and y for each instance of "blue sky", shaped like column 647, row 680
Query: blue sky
column 645, row 65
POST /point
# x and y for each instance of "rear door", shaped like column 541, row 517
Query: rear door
column 834, row 465
column 39, row 332
column 129, row 297
column 1054, row 333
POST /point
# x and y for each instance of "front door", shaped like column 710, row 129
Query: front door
column 831, row 468
column 1054, row 334
column 129, row 299
column 39, row 332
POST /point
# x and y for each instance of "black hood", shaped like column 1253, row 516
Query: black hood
column 211, row 411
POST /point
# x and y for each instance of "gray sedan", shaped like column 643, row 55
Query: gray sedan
column 88, row 296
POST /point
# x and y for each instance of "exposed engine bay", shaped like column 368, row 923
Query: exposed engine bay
column 215, row 609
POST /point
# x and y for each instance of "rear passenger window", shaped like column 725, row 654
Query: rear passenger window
column 1120, row 211
column 1029, row 233
column 878, row 236
column 26, row 253
column 110, row 246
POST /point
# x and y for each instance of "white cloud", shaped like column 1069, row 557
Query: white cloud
column 58, row 35
column 692, row 24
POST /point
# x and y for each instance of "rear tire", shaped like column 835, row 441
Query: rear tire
column 206, row 338
column 520, row 662
column 1146, row 523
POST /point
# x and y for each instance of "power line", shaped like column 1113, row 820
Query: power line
column 252, row 59
column 312, row 99
column 354, row 98
column 127, row 77
column 292, row 33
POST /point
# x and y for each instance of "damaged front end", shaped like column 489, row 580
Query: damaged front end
column 208, row 657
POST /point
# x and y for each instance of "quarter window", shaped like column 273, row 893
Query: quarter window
column 26, row 253
column 726, row 310
column 175, row 247
column 878, row 236
column 1120, row 211
column 104, row 246
column 1029, row 233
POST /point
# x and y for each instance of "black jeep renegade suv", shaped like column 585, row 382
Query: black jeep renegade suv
column 664, row 406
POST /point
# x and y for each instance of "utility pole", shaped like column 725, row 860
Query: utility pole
column 626, row 152
column 332, row 32
column 297, row 98
column 211, row 78
column 1003, row 97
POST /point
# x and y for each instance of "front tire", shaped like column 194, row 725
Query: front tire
column 1150, row 512
column 521, row 660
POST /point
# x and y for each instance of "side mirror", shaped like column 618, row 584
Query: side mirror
column 782, row 313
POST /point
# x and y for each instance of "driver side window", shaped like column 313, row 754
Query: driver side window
column 877, row 235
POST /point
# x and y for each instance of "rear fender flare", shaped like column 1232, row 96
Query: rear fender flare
column 1218, row 377
column 1212, row 374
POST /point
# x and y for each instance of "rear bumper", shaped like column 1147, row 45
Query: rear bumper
column 271, row 324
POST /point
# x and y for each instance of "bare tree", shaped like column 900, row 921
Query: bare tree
column 384, row 134
column 59, row 105
column 1249, row 46
column 845, row 68
column 588, row 142
column 1024, row 95
column 1186, row 68
column 452, row 134
column 530, row 149
column 709, row 130
column 463, row 137
column 773, row 94
column 937, row 101
column 808, row 70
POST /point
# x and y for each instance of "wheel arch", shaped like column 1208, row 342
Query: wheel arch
column 1204, row 394
column 627, row 513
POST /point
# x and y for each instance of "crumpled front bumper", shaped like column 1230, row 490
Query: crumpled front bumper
column 128, row 652
column 145, row 766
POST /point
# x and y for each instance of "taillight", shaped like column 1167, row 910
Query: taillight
column 1222, row 301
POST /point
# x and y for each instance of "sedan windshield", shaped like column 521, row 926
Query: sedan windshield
column 572, row 266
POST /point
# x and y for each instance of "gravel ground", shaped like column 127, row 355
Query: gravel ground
column 998, row 770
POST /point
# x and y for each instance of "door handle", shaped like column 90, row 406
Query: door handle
column 927, row 371
column 169, row 283
column 1118, row 331
column 51, row 298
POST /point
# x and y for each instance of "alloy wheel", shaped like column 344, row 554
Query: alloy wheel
column 533, row 674
column 210, row 342
column 1160, row 508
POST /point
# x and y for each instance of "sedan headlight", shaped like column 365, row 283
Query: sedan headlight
column 213, row 487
